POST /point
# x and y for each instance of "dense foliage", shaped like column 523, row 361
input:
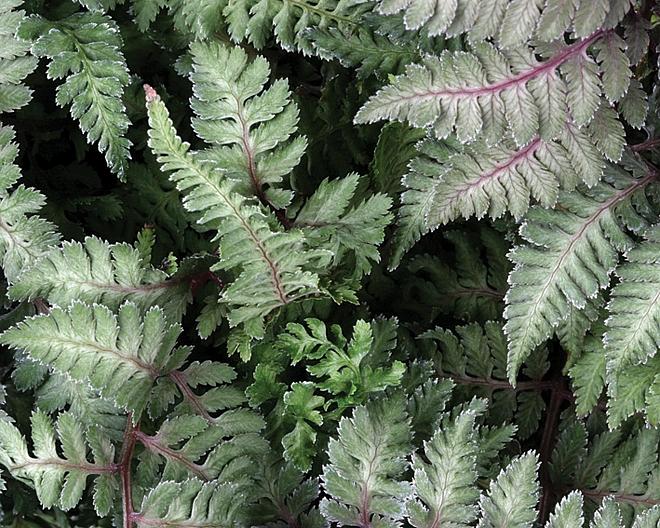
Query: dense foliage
column 307, row 263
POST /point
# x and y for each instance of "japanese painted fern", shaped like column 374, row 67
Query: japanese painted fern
column 255, row 305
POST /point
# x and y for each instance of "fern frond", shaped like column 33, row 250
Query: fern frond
column 192, row 503
column 287, row 497
column 146, row 11
column 250, row 127
column 85, row 50
column 444, row 487
column 634, row 307
column 397, row 146
column 512, row 496
column 569, row 256
column 351, row 371
column 475, row 358
column 485, row 180
column 95, row 271
column 119, row 355
column 59, row 392
column 15, row 63
column 588, row 373
column 352, row 232
column 634, row 389
column 289, row 20
column 367, row 50
column 60, row 480
column 202, row 18
column 24, row 236
column 577, row 322
column 510, row 22
column 416, row 202
column 366, row 461
column 189, row 446
column 485, row 92
column 568, row 512
column 599, row 463
column 270, row 264
column 469, row 283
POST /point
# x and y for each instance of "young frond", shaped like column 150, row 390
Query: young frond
column 569, row 255
column 251, row 128
column 486, row 92
column 15, row 63
column 95, row 271
column 24, row 236
column 193, row 503
column 362, row 478
column 61, row 479
column 350, row 371
column 510, row 22
column 352, row 232
column 632, row 335
column 269, row 263
column 290, row 20
column 119, row 355
column 85, row 50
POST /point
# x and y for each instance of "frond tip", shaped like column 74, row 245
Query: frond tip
column 366, row 462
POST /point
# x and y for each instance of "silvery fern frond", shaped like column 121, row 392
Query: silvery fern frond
column 251, row 128
column 512, row 497
column 15, row 63
column 192, row 503
column 569, row 255
column 270, row 264
column 60, row 480
column 96, row 271
column 484, row 92
column 121, row 355
column 444, row 488
column 363, row 477
column 24, row 236
column 634, row 308
column 510, row 22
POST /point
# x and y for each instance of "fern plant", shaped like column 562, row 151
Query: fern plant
column 331, row 263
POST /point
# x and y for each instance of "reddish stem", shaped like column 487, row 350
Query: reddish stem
column 649, row 144
column 180, row 381
column 128, row 447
